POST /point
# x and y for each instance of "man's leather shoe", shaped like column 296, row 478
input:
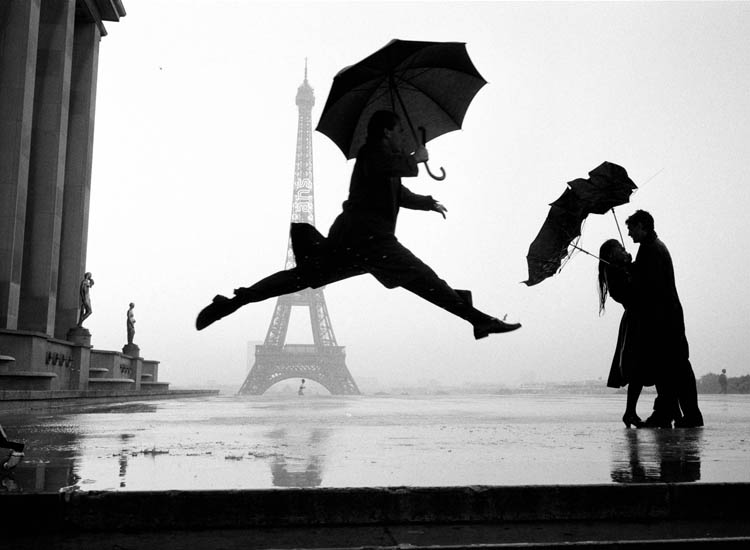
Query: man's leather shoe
column 219, row 308
column 493, row 326
column 655, row 421
column 688, row 422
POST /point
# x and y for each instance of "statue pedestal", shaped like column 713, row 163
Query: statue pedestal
column 132, row 350
column 80, row 336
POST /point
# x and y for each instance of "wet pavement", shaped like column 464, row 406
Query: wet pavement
column 240, row 442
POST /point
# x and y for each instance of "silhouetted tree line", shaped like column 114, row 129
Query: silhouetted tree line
column 709, row 383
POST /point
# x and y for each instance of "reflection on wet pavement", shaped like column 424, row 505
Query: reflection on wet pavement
column 48, row 475
column 234, row 442
column 659, row 455
column 302, row 464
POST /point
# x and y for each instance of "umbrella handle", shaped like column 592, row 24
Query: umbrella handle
column 441, row 177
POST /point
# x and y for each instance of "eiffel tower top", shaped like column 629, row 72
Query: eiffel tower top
column 305, row 96
column 303, row 202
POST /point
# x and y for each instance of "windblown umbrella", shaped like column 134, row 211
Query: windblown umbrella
column 608, row 186
column 429, row 84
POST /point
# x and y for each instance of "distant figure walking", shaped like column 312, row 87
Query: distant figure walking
column 662, row 343
column 301, row 390
column 615, row 281
column 85, row 299
column 362, row 238
column 130, row 323
column 723, row 381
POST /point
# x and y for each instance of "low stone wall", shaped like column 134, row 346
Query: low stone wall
column 154, row 387
column 150, row 371
column 114, row 369
column 41, row 362
column 37, row 362
column 20, row 401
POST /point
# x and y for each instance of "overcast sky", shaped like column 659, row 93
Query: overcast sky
column 194, row 166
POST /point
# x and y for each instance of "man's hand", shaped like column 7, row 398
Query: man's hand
column 421, row 154
column 439, row 208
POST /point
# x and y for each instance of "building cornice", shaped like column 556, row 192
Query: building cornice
column 98, row 11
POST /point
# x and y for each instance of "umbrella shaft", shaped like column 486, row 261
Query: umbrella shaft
column 394, row 91
column 589, row 253
column 618, row 227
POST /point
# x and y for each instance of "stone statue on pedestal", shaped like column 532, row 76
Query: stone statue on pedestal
column 80, row 334
column 130, row 323
column 130, row 348
column 85, row 307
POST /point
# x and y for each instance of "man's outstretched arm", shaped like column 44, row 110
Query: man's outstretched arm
column 420, row 202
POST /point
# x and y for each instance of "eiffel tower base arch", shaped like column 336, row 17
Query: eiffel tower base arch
column 324, row 365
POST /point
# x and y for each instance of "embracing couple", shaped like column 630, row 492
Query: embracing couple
column 652, row 348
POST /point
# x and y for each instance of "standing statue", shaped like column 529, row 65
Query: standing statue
column 131, row 324
column 85, row 307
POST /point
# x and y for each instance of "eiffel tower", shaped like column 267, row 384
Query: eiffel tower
column 324, row 360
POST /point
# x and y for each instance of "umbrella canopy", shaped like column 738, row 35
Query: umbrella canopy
column 429, row 84
column 608, row 186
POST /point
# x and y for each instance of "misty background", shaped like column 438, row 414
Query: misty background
column 194, row 165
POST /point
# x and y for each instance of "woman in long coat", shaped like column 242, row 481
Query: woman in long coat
column 626, row 369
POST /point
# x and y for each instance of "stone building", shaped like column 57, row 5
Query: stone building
column 49, row 54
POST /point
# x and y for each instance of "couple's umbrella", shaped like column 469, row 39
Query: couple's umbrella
column 607, row 186
column 429, row 84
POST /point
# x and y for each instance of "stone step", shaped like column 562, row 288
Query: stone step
column 339, row 539
column 417, row 516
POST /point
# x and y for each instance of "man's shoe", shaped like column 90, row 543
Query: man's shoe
column 688, row 422
column 493, row 326
column 220, row 307
column 655, row 421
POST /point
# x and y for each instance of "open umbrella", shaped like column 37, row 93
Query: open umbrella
column 608, row 186
column 428, row 84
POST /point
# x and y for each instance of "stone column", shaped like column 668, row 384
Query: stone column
column 19, row 31
column 47, row 168
column 77, row 188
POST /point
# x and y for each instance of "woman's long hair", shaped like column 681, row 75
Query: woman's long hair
column 605, row 260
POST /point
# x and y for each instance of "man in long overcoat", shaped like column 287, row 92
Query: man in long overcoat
column 660, row 328
column 362, row 238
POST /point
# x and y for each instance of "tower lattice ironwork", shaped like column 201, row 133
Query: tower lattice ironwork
column 322, row 361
